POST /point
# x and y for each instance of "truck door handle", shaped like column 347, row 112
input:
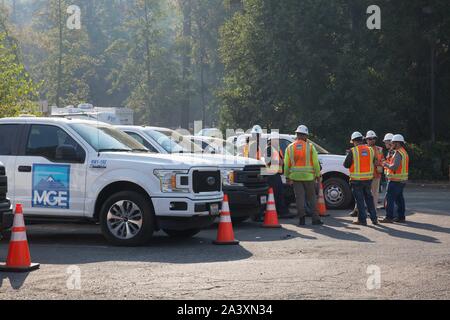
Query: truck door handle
column 24, row 168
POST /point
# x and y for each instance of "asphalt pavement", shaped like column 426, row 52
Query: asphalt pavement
column 335, row 261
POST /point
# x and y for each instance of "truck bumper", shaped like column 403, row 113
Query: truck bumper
column 6, row 216
column 245, row 202
column 186, row 213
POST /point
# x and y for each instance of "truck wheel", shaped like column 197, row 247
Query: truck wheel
column 127, row 219
column 181, row 233
column 337, row 193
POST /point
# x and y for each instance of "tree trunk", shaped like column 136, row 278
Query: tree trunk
column 186, row 7
column 60, row 53
column 147, row 56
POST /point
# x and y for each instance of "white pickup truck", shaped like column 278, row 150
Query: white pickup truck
column 242, row 178
column 337, row 192
column 63, row 169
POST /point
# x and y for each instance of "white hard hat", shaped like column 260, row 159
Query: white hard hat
column 388, row 137
column 371, row 134
column 356, row 135
column 303, row 130
column 257, row 129
column 398, row 138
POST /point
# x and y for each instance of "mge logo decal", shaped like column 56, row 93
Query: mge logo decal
column 51, row 186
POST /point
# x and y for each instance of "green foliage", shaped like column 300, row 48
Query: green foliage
column 17, row 90
column 429, row 161
column 315, row 62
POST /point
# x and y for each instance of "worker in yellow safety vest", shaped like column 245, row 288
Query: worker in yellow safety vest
column 361, row 162
column 302, row 170
column 397, row 173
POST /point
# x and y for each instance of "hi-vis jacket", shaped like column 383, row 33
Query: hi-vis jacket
column 363, row 166
column 401, row 172
column 378, row 151
column 301, row 162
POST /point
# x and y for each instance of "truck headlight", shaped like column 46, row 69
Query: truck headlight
column 173, row 180
column 229, row 177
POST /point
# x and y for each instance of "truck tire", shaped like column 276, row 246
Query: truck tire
column 127, row 219
column 337, row 193
column 182, row 234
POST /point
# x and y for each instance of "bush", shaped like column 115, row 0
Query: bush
column 429, row 161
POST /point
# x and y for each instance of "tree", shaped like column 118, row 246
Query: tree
column 17, row 90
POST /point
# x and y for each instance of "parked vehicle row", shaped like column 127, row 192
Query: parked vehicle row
column 242, row 180
column 68, row 169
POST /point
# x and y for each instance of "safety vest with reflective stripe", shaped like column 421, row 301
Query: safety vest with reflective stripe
column 301, row 157
column 378, row 151
column 276, row 161
column 252, row 151
column 402, row 172
column 362, row 167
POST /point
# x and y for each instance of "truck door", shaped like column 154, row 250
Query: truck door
column 9, row 134
column 50, row 173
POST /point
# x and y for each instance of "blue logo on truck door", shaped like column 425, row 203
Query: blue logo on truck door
column 51, row 186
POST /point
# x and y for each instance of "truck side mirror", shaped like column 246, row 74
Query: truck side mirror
column 67, row 153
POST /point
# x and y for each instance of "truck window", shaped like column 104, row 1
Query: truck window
column 107, row 138
column 142, row 141
column 43, row 140
column 7, row 132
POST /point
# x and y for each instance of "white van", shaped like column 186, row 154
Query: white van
column 76, row 169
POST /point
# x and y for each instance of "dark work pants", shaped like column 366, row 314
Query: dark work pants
column 276, row 183
column 362, row 191
column 394, row 197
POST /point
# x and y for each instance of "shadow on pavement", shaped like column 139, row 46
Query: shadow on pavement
column 329, row 229
column 88, row 246
column 15, row 279
column 253, row 232
column 406, row 235
column 426, row 226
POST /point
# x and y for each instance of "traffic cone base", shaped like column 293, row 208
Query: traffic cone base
column 234, row 242
column 271, row 215
column 18, row 259
column 32, row 267
column 225, row 234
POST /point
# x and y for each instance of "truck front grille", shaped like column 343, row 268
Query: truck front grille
column 251, row 177
column 206, row 181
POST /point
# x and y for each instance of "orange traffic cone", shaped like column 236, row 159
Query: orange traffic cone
column 225, row 234
column 18, row 254
column 271, row 215
column 321, row 207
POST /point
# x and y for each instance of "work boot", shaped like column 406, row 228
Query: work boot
column 302, row 221
column 386, row 220
column 375, row 222
column 359, row 223
column 353, row 214
column 317, row 222
column 400, row 220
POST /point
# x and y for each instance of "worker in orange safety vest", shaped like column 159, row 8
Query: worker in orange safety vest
column 397, row 173
column 361, row 162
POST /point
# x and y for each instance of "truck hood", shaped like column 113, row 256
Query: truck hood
column 157, row 160
column 332, row 157
column 225, row 161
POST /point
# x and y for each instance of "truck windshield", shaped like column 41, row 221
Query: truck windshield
column 106, row 138
column 173, row 142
